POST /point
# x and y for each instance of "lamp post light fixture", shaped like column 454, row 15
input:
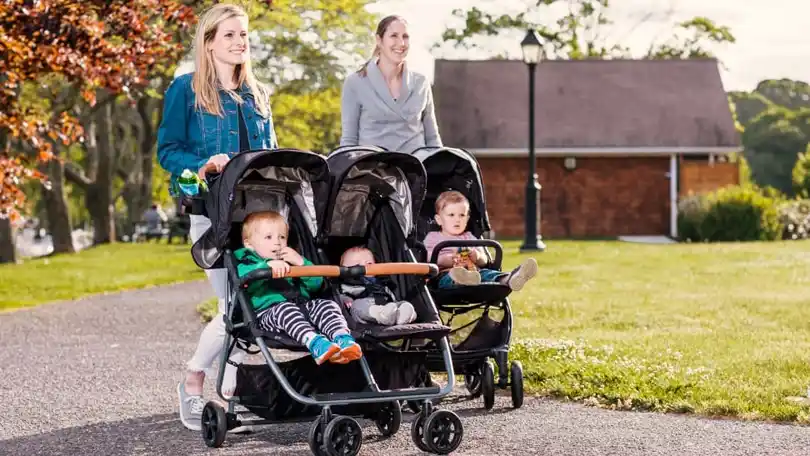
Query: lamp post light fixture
column 532, row 54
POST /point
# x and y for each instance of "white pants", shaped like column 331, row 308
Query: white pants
column 212, row 339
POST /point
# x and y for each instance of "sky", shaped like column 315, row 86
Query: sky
column 773, row 38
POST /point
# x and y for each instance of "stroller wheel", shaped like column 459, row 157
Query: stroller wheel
column 389, row 419
column 214, row 425
column 516, row 381
column 443, row 432
column 473, row 384
column 418, row 433
column 488, row 384
column 343, row 437
column 316, row 438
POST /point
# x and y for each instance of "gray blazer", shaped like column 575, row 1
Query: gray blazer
column 371, row 116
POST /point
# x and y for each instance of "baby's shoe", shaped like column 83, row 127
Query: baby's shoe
column 322, row 349
column 349, row 349
column 522, row 274
column 384, row 315
column 462, row 276
column 405, row 313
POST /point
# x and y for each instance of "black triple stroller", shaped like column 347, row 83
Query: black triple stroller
column 456, row 169
column 361, row 202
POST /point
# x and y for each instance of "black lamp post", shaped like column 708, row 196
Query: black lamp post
column 532, row 53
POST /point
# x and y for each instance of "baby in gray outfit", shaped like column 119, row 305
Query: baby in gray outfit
column 369, row 300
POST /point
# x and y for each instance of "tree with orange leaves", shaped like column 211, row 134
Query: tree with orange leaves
column 92, row 44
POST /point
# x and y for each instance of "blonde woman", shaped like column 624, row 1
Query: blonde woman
column 386, row 104
column 209, row 116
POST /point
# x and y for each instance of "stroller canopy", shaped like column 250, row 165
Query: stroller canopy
column 453, row 169
column 261, row 181
column 362, row 177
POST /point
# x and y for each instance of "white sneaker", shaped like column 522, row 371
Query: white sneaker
column 522, row 274
column 461, row 276
column 191, row 408
column 245, row 428
column 405, row 313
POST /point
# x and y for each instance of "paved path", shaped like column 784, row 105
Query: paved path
column 96, row 377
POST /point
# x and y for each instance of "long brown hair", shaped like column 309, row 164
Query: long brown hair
column 382, row 27
column 205, row 82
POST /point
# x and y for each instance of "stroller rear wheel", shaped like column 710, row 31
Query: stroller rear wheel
column 473, row 384
column 516, row 382
column 343, row 437
column 214, row 424
column 443, row 432
column 389, row 418
column 488, row 384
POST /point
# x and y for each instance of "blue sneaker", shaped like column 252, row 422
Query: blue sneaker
column 322, row 349
column 349, row 350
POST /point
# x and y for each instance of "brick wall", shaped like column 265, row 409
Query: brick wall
column 702, row 176
column 603, row 196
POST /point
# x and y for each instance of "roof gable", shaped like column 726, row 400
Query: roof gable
column 584, row 103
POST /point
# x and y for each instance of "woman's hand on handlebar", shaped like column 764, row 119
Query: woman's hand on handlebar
column 214, row 164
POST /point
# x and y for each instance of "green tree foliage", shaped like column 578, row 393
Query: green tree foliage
column 772, row 141
column 775, row 119
column 302, row 51
column 576, row 34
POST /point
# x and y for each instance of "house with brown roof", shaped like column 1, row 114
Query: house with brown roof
column 617, row 142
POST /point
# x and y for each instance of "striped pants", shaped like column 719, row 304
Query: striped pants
column 287, row 317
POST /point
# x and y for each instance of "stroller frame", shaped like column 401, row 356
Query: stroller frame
column 474, row 363
column 328, row 429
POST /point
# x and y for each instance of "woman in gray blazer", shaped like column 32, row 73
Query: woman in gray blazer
column 385, row 104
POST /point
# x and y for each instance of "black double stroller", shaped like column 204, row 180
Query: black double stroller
column 367, row 199
column 484, row 338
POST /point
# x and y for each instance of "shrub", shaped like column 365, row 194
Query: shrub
column 801, row 174
column 795, row 217
column 734, row 213
column 691, row 211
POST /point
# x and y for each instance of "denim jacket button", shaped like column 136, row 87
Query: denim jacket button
column 255, row 136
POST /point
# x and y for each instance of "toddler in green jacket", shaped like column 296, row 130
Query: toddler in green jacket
column 286, row 304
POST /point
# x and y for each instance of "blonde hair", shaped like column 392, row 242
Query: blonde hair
column 255, row 219
column 450, row 197
column 356, row 249
column 205, row 82
column 382, row 27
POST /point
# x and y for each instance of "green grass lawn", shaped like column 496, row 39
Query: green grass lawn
column 714, row 329
column 106, row 268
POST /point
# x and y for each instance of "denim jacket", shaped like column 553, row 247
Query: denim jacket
column 188, row 137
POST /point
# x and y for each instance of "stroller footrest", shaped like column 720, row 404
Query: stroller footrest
column 470, row 294
column 411, row 392
column 431, row 331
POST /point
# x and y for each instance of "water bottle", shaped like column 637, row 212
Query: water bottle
column 190, row 183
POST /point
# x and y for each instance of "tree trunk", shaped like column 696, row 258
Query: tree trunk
column 99, row 195
column 8, row 248
column 148, row 140
column 57, row 208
